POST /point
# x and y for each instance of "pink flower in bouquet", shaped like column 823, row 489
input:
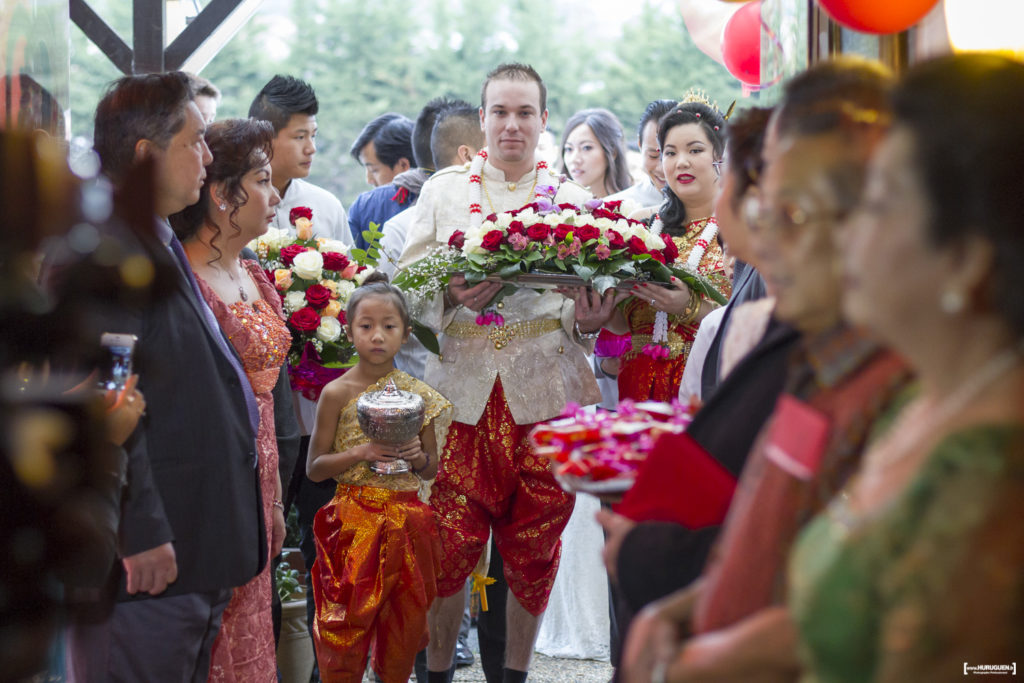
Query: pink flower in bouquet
column 636, row 246
column 538, row 232
column 300, row 212
column 615, row 239
column 335, row 261
column 318, row 296
column 457, row 240
column 602, row 252
column 282, row 279
column 492, row 240
column 350, row 271
column 305, row 319
column 571, row 249
column 289, row 253
column 585, row 233
column 518, row 241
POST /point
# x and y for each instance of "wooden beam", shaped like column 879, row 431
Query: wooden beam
column 101, row 35
column 198, row 30
column 148, row 28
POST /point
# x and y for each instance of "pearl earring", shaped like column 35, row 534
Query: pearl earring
column 222, row 206
column 952, row 301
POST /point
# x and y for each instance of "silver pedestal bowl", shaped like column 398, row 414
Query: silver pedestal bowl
column 390, row 416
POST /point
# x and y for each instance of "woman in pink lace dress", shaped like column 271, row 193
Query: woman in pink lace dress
column 235, row 206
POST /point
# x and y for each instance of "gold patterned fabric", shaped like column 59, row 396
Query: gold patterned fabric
column 643, row 378
column 373, row 582
column 491, row 479
column 377, row 557
column 348, row 434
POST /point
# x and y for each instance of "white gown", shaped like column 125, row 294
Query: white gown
column 576, row 622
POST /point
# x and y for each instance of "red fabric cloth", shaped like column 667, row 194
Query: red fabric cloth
column 489, row 478
column 679, row 482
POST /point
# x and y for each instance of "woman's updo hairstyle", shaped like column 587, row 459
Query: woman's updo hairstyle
column 964, row 114
column 377, row 283
column 238, row 146
column 711, row 121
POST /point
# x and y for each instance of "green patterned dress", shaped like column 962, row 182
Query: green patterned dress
column 931, row 582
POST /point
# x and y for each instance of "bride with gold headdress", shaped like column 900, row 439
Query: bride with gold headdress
column 664, row 321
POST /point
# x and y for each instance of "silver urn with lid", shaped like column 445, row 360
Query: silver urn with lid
column 390, row 416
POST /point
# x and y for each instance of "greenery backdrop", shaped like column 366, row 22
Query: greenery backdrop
column 366, row 58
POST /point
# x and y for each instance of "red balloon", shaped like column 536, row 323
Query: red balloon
column 741, row 44
column 877, row 16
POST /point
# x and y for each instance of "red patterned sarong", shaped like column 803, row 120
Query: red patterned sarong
column 373, row 581
column 490, row 478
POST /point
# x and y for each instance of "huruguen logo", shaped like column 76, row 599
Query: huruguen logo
column 990, row 669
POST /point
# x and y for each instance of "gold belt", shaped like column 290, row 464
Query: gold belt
column 676, row 345
column 501, row 335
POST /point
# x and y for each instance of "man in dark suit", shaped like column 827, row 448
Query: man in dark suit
column 191, row 526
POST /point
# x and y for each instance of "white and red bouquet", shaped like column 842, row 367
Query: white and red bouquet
column 314, row 277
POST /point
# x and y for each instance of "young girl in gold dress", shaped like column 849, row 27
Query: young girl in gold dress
column 377, row 544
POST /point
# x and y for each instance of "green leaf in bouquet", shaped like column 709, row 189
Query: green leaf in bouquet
column 475, row 276
column 560, row 264
column 533, row 257
column 603, row 283
column 698, row 283
column 373, row 236
column 510, row 270
column 478, row 259
column 585, row 272
column 426, row 336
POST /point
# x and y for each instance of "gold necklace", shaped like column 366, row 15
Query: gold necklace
column 511, row 188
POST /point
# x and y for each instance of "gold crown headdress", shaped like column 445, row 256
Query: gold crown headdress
column 700, row 95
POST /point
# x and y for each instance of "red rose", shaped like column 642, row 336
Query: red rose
column 457, row 239
column 342, row 318
column 291, row 251
column 605, row 213
column 587, row 232
column 538, row 231
column 671, row 251
column 516, row 228
column 299, row 212
column 492, row 217
column 318, row 296
column 334, row 260
column 658, row 256
column 613, row 206
column 615, row 240
column 636, row 246
column 563, row 229
column 305, row 319
column 492, row 240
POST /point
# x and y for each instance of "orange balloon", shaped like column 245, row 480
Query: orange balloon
column 877, row 16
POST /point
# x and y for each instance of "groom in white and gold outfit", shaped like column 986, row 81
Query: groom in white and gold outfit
column 502, row 379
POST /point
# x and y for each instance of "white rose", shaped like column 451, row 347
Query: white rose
column 345, row 289
column 568, row 216
column 552, row 219
column 652, row 241
column 276, row 238
column 629, row 206
column 293, row 301
column 329, row 330
column 487, row 226
column 360, row 278
column 604, row 224
column 309, row 265
column 528, row 217
column 621, row 226
column 333, row 245
column 504, row 220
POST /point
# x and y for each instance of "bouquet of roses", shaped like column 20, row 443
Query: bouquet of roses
column 595, row 243
column 314, row 278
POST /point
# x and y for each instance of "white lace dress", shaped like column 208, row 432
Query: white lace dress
column 575, row 624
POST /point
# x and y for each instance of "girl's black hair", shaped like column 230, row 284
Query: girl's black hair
column 377, row 284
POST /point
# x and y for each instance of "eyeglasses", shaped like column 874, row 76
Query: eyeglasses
column 786, row 218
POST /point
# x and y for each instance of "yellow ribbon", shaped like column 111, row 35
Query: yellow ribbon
column 480, row 583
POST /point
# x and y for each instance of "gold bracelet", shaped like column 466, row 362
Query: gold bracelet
column 692, row 309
